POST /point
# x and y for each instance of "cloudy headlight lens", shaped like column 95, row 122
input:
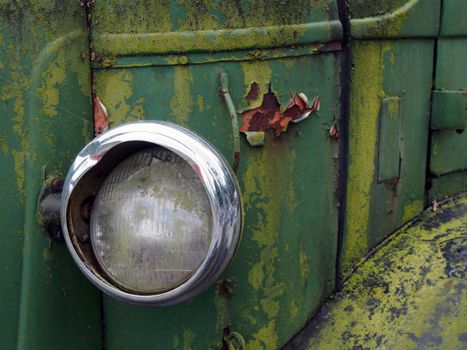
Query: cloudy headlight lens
column 151, row 213
column 151, row 222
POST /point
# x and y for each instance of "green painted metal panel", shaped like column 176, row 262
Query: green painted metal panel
column 453, row 23
column 448, row 110
column 46, row 117
column 377, row 202
column 447, row 185
column 285, row 264
column 389, row 140
column 448, row 151
column 448, row 147
column 450, row 65
column 374, row 210
column 382, row 19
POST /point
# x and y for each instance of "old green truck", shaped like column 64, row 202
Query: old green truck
column 216, row 174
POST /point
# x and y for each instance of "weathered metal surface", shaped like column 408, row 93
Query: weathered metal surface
column 448, row 110
column 382, row 19
column 410, row 294
column 390, row 138
column 448, row 147
column 186, row 26
column 45, row 108
column 285, row 263
column 447, row 185
column 453, row 21
column 374, row 210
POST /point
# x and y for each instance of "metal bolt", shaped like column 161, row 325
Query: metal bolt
column 56, row 185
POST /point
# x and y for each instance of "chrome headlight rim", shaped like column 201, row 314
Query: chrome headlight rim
column 217, row 178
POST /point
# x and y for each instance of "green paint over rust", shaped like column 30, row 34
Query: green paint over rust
column 410, row 294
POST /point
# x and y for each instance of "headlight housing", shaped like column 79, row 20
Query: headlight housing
column 151, row 213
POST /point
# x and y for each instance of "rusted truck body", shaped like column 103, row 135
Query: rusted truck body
column 337, row 126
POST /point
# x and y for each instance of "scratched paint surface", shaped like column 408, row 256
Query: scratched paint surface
column 45, row 302
column 285, row 264
column 411, row 294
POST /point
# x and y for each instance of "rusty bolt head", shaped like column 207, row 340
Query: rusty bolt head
column 56, row 185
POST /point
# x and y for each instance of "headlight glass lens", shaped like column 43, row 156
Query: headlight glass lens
column 151, row 222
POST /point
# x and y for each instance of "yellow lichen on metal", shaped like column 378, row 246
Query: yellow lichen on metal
column 209, row 25
column 115, row 88
column 12, row 92
column 364, row 110
column 181, row 104
column 262, row 182
column 411, row 294
column 412, row 209
column 385, row 25
column 49, row 91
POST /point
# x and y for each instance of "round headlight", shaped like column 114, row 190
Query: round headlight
column 151, row 213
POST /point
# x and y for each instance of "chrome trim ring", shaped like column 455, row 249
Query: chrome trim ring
column 220, row 185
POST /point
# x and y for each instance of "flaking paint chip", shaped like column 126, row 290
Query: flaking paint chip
column 269, row 116
column 101, row 121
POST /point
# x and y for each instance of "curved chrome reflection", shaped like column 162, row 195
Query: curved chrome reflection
column 98, row 158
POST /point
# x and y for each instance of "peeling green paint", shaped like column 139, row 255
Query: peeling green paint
column 259, row 73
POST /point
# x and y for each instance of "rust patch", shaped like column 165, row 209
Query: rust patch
column 269, row 115
column 254, row 92
column 101, row 121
